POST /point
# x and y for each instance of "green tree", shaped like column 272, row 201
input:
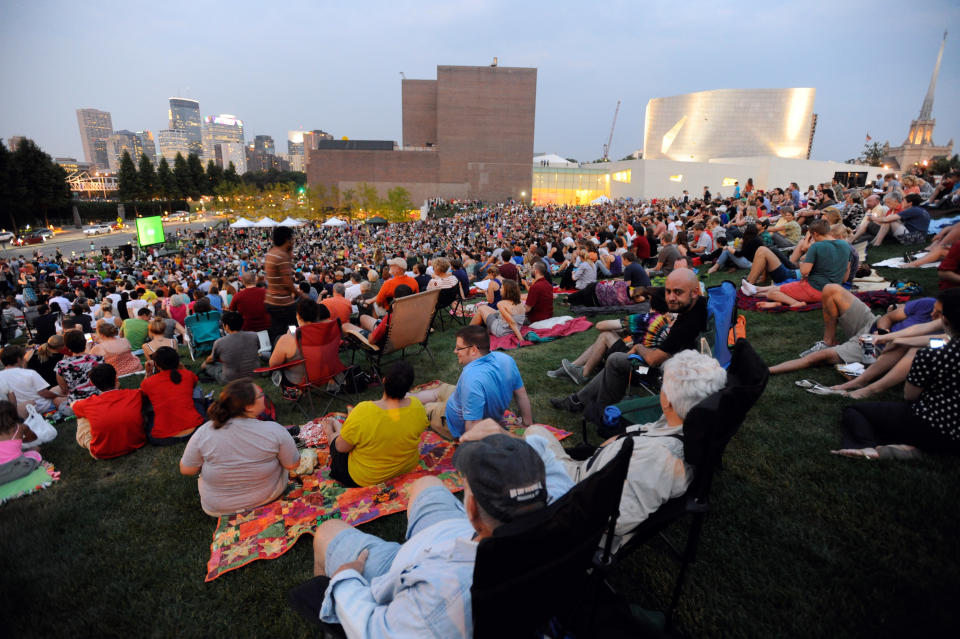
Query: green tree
column 148, row 179
column 30, row 184
column 872, row 154
column 348, row 202
column 398, row 204
column 368, row 198
column 128, row 187
column 166, row 182
column 230, row 175
column 182, row 177
column 198, row 180
column 214, row 177
column 942, row 166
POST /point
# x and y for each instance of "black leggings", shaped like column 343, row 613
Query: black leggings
column 871, row 424
column 584, row 297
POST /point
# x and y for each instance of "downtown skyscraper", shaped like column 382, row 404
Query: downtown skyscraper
column 95, row 127
column 184, row 115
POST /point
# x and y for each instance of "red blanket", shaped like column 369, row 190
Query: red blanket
column 870, row 298
column 509, row 342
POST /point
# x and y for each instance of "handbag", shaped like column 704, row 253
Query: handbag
column 43, row 429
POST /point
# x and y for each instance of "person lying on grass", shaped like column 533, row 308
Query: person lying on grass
column 379, row 439
column 929, row 419
column 509, row 315
column 827, row 261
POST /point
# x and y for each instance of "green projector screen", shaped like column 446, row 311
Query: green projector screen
column 150, row 230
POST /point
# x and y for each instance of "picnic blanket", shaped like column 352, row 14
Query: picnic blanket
column 42, row 477
column 870, row 298
column 268, row 531
column 534, row 335
column 898, row 262
column 628, row 309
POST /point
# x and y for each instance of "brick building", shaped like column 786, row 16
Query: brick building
column 467, row 134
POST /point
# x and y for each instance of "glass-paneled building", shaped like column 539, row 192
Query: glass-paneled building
column 569, row 185
column 185, row 116
column 220, row 129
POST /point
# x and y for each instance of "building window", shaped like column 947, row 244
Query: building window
column 622, row 176
column 729, row 181
column 676, row 178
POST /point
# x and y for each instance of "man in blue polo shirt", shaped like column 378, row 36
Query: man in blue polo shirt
column 487, row 385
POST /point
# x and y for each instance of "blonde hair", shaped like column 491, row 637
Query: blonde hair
column 107, row 329
column 53, row 344
column 441, row 265
column 157, row 326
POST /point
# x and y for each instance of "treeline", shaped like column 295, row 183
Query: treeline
column 189, row 179
column 32, row 185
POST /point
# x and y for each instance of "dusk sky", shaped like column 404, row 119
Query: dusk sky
column 336, row 65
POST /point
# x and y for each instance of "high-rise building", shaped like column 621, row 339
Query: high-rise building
column 227, row 152
column 147, row 146
column 185, row 116
column 121, row 142
column 220, row 129
column 172, row 142
column 295, row 142
column 294, row 160
column 264, row 144
column 919, row 148
column 95, row 127
column 72, row 165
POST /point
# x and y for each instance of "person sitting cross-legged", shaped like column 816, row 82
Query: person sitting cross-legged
column 379, row 439
column 682, row 297
column 25, row 387
column 236, row 354
column 657, row 470
column 421, row 588
column 110, row 424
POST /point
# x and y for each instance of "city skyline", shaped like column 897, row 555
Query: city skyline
column 351, row 86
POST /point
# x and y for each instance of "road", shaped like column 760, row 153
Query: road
column 74, row 242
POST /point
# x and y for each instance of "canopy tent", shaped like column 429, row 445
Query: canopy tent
column 551, row 159
column 376, row 220
column 603, row 199
column 334, row 221
column 291, row 222
column 265, row 222
column 241, row 223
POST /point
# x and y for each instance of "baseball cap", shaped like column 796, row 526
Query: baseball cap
column 398, row 262
column 506, row 475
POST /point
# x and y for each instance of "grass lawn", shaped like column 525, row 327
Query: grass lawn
column 801, row 543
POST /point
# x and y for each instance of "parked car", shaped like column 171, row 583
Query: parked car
column 97, row 229
column 34, row 237
column 7, row 236
column 44, row 231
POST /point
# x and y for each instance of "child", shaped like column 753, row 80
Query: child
column 13, row 433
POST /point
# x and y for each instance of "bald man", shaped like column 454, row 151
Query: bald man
column 682, row 293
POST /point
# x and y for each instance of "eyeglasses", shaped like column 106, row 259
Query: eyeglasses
column 460, row 348
column 259, row 395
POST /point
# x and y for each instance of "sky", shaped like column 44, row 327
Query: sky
column 336, row 65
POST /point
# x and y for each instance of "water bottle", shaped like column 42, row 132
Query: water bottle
column 611, row 416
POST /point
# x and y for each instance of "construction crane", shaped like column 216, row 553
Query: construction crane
column 606, row 147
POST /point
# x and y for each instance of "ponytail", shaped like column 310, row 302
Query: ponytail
column 232, row 402
column 167, row 359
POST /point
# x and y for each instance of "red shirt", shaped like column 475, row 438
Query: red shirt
column 339, row 308
column 950, row 263
column 540, row 301
column 509, row 271
column 391, row 285
column 641, row 247
column 116, row 423
column 250, row 303
column 173, row 409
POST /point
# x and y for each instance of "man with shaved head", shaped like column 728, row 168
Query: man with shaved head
column 682, row 293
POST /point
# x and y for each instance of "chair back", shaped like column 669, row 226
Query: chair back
column 203, row 327
column 535, row 568
column 722, row 314
column 320, row 347
column 710, row 425
column 448, row 296
column 410, row 320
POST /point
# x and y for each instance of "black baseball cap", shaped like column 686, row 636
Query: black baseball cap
column 506, row 475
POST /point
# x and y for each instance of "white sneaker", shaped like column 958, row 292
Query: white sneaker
column 747, row 288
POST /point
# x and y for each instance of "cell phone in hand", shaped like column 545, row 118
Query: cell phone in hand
column 292, row 329
column 937, row 342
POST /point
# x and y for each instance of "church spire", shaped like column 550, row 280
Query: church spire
column 926, row 111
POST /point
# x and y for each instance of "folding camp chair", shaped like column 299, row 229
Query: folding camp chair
column 707, row 429
column 320, row 346
column 534, row 573
column 203, row 329
column 449, row 305
column 721, row 315
column 409, row 326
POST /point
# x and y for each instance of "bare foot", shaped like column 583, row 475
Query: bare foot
column 861, row 393
column 769, row 304
column 857, row 453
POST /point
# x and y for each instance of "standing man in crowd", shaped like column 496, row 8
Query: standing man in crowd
column 281, row 296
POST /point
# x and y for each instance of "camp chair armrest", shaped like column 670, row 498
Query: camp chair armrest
column 267, row 369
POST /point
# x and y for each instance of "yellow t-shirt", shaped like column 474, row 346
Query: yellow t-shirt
column 386, row 442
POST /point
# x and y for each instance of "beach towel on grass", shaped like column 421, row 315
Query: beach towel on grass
column 268, row 531
column 42, row 477
column 874, row 299
column 534, row 335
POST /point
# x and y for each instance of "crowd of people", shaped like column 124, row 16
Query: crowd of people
column 90, row 321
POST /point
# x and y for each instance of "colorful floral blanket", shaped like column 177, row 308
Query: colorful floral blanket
column 535, row 336
column 268, row 531
column 41, row 478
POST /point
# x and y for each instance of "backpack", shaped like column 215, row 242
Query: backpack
column 612, row 293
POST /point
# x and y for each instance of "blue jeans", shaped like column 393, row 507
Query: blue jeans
column 739, row 262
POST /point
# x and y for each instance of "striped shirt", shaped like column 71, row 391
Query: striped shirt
column 278, row 265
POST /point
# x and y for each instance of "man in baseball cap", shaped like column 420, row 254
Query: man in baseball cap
column 398, row 276
column 422, row 588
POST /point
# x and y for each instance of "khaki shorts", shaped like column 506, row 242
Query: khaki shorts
column 857, row 321
column 436, row 411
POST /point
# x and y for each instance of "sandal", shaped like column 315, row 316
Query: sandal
column 807, row 383
column 819, row 389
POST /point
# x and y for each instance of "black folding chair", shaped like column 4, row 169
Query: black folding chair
column 449, row 305
column 707, row 429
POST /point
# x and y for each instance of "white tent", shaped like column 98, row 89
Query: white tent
column 551, row 159
column 291, row 222
column 333, row 221
column 603, row 199
column 241, row 223
column 265, row 222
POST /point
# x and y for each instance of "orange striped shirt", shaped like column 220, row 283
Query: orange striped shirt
column 278, row 265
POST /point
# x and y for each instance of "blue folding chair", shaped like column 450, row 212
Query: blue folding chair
column 203, row 330
column 722, row 315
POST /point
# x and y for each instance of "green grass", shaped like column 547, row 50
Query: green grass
column 801, row 543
